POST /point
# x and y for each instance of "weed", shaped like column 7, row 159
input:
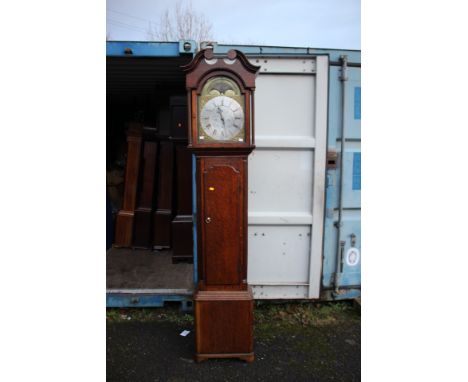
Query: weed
column 166, row 314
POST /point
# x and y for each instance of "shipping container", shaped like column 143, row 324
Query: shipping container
column 304, row 222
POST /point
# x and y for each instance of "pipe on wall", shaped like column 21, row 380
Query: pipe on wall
column 339, row 242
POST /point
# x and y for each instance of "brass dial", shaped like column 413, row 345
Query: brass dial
column 222, row 118
column 221, row 111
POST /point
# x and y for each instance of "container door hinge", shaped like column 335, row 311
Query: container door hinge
column 332, row 159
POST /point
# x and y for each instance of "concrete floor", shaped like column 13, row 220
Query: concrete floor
column 145, row 269
column 287, row 348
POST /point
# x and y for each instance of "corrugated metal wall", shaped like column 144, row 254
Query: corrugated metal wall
column 349, row 280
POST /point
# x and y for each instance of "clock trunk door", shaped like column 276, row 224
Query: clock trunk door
column 222, row 220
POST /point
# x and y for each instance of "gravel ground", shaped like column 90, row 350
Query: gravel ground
column 293, row 342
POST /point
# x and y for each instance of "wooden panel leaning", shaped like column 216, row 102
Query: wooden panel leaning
column 162, row 217
column 182, row 225
column 142, row 232
column 124, row 221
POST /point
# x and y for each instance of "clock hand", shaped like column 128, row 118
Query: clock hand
column 220, row 112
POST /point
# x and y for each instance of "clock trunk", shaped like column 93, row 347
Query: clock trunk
column 222, row 220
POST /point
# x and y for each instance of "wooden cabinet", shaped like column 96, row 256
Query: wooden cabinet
column 178, row 127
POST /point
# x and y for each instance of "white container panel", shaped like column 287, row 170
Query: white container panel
column 287, row 177
column 280, row 291
column 279, row 254
column 284, row 105
column 285, row 65
column 281, row 181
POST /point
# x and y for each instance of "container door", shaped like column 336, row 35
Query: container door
column 287, row 177
column 349, row 278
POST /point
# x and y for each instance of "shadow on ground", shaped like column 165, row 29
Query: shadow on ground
column 293, row 342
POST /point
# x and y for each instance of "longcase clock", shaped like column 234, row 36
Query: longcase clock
column 221, row 136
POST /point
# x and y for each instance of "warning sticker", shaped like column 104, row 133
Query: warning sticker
column 352, row 257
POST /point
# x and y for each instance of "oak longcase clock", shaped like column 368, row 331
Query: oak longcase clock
column 220, row 93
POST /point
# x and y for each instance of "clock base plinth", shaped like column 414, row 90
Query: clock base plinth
column 247, row 357
column 224, row 325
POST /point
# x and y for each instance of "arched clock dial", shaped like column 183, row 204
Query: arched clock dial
column 222, row 118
